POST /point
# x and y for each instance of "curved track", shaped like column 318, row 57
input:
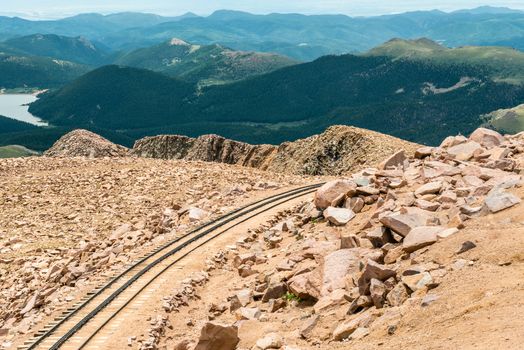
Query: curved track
column 71, row 330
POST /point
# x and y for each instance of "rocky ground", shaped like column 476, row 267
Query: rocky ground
column 420, row 253
column 67, row 223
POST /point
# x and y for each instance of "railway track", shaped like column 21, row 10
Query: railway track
column 81, row 326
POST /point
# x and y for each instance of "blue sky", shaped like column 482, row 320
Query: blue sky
column 63, row 8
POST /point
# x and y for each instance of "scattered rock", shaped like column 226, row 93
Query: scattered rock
column 403, row 223
column 421, row 237
column 377, row 290
column 338, row 216
column 373, row 270
column 359, row 333
column 215, row 336
column 429, row 188
column 395, row 160
column 336, row 266
column 308, row 326
column 498, row 200
column 398, row 295
column 330, row 191
column 274, row 291
column 345, row 329
column 196, row 214
column 465, row 151
column 487, row 138
column 468, row 245
column 429, row 299
column 417, row 281
column 270, row 341
column 248, row 313
column 355, row 204
column 379, row 236
column 423, row 152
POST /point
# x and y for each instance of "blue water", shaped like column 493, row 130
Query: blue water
column 15, row 106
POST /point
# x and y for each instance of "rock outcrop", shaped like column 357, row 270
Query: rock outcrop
column 208, row 148
column 83, row 143
column 339, row 150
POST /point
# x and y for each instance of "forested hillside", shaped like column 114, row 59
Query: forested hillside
column 413, row 99
column 203, row 65
column 37, row 72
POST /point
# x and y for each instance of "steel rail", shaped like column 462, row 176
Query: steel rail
column 179, row 248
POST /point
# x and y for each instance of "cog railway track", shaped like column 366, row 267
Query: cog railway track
column 80, row 326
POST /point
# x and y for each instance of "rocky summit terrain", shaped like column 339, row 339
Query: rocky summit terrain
column 422, row 249
column 339, row 150
column 67, row 223
column 422, row 252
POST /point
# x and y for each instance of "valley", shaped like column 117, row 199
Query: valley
column 361, row 91
column 402, row 87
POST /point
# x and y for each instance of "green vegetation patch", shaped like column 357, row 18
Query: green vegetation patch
column 16, row 151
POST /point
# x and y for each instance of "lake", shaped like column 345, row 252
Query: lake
column 15, row 106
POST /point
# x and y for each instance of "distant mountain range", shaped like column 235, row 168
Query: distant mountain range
column 91, row 25
column 49, row 61
column 297, row 36
column 48, row 54
column 79, row 49
column 125, row 76
column 395, row 89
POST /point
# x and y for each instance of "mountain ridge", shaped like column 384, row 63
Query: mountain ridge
column 337, row 150
column 507, row 63
column 74, row 49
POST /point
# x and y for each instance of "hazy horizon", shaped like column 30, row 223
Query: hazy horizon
column 55, row 9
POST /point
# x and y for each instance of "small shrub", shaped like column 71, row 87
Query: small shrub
column 291, row 297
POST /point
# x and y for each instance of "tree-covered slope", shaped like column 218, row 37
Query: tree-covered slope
column 417, row 100
column 205, row 65
column 8, row 125
column 38, row 72
column 77, row 49
column 116, row 97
